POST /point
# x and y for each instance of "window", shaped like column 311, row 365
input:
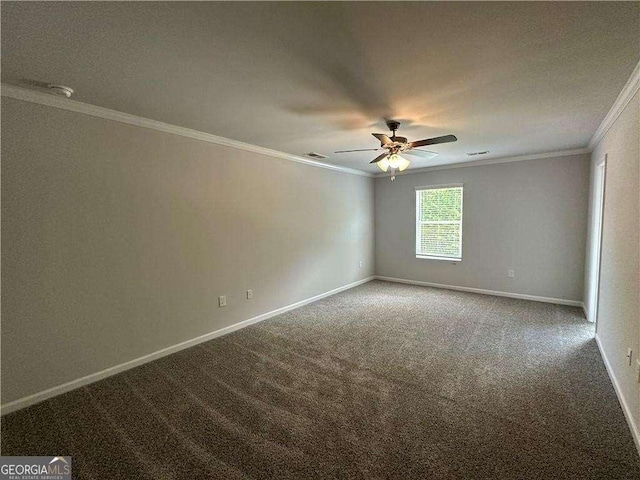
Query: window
column 439, row 222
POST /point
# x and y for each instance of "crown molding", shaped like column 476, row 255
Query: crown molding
column 629, row 90
column 627, row 93
column 492, row 161
column 33, row 96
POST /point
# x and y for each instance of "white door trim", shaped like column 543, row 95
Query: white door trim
column 599, row 201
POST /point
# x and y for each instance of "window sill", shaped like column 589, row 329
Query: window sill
column 446, row 259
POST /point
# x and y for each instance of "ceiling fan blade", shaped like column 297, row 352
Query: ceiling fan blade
column 434, row 141
column 384, row 139
column 377, row 159
column 361, row 150
column 421, row 153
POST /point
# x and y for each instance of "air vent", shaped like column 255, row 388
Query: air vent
column 473, row 154
column 315, row 155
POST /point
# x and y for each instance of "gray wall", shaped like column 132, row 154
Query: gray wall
column 529, row 216
column 618, row 323
column 117, row 240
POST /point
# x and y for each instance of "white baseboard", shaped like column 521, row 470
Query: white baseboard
column 522, row 296
column 94, row 377
column 635, row 433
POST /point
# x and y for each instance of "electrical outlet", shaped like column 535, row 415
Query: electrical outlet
column 361, row 263
column 249, row 294
column 222, row 301
column 629, row 355
column 511, row 273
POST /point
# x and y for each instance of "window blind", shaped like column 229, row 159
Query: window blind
column 439, row 222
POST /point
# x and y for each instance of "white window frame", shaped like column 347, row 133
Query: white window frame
column 418, row 222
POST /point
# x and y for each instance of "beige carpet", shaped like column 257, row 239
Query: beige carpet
column 384, row 381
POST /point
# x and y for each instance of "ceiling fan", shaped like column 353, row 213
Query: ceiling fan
column 394, row 146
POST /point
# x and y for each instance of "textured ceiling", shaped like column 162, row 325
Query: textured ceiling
column 512, row 78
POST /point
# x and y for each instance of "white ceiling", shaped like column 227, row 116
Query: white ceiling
column 512, row 78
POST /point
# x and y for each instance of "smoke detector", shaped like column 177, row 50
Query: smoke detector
column 60, row 90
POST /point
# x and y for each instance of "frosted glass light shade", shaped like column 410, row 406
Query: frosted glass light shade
column 384, row 164
column 394, row 160
column 398, row 162
column 405, row 163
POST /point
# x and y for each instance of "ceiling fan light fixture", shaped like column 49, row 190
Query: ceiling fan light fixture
column 390, row 160
column 397, row 162
column 384, row 164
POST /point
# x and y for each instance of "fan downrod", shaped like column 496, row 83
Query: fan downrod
column 393, row 126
